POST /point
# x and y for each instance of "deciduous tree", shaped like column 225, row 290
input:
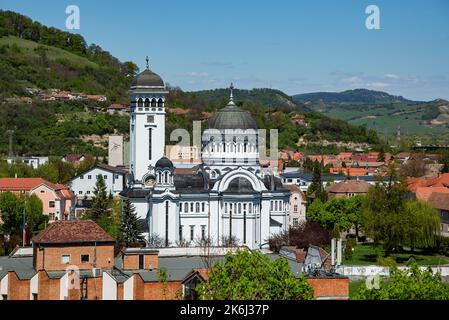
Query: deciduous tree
column 250, row 275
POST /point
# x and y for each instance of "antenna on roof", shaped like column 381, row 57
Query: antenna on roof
column 148, row 63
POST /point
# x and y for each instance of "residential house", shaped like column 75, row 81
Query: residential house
column 348, row 188
column 297, row 205
column 57, row 200
column 298, row 120
column 83, row 184
column 441, row 180
column 440, row 201
column 74, row 158
column 117, row 107
column 34, row 162
column 304, row 180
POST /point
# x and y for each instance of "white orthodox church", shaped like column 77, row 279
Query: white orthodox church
column 228, row 197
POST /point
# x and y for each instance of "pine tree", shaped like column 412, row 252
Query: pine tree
column 129, row 227
column 101, row 202
column 317, row 185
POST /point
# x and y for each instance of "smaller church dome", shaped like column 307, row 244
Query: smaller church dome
column 147, row 78
column 164, row 162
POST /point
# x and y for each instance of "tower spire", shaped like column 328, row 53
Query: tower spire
column 148, row 63
column 231, row 96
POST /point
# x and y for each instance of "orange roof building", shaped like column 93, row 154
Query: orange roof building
column 57, row 199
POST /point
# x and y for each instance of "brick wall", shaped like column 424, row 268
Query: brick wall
column 48, row 289
column 18, row 289
column 330, row 288
column 49, row 258
column 119, row 291
column 131, row 261
column 155, row 290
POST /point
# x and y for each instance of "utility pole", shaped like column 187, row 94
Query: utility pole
column 11, row 142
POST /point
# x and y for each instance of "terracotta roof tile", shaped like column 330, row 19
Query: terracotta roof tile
column 78, row 231
column 349, row 186
column 423, row 193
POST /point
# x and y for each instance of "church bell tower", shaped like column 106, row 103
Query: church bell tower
column 147, row 123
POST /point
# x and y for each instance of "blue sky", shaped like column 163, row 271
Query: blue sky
column 295, row 46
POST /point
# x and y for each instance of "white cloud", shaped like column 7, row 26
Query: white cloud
column 392, row 76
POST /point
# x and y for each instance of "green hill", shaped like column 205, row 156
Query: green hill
column 425, row 121
column 356, row 96
column 33, row 55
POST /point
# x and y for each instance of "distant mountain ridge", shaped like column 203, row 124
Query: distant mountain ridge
column 356, row 96
column 269, row 98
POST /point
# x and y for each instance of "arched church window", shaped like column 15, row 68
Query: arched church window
column 140, row 103
column 280, row 205
column 147, row 103
column 153, row 103
column 244, row 208
column 197, row 207
column 160, row 103
column 239, row 208
column 186, row 207
column 250, row 208
column 203, row 207
column 245, row 144
column 159, row 177
column 230, row 207
column 166, row 177
column 275, row 206
column 226, row 208
column 180, row 207
column 191, row 206
column 271, row 205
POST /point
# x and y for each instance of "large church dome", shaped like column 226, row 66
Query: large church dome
column 231, row 117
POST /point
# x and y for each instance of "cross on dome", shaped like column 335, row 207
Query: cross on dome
column 148, row 63
column 231, row 97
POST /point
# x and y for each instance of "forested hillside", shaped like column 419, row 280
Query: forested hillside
column 36, row 56
column 33, row 55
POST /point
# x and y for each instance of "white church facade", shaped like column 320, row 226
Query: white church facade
column 229, row 196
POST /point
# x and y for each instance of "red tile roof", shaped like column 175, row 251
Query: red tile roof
column 349, row 186
column 78, row 231
column 73, row 157
column 23, row 184
column 436, row 181
column 423, row 193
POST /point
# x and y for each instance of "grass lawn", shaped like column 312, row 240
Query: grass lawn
column 366, row 254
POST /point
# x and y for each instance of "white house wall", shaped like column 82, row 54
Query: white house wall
column 109, row 287
column 82, row 186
